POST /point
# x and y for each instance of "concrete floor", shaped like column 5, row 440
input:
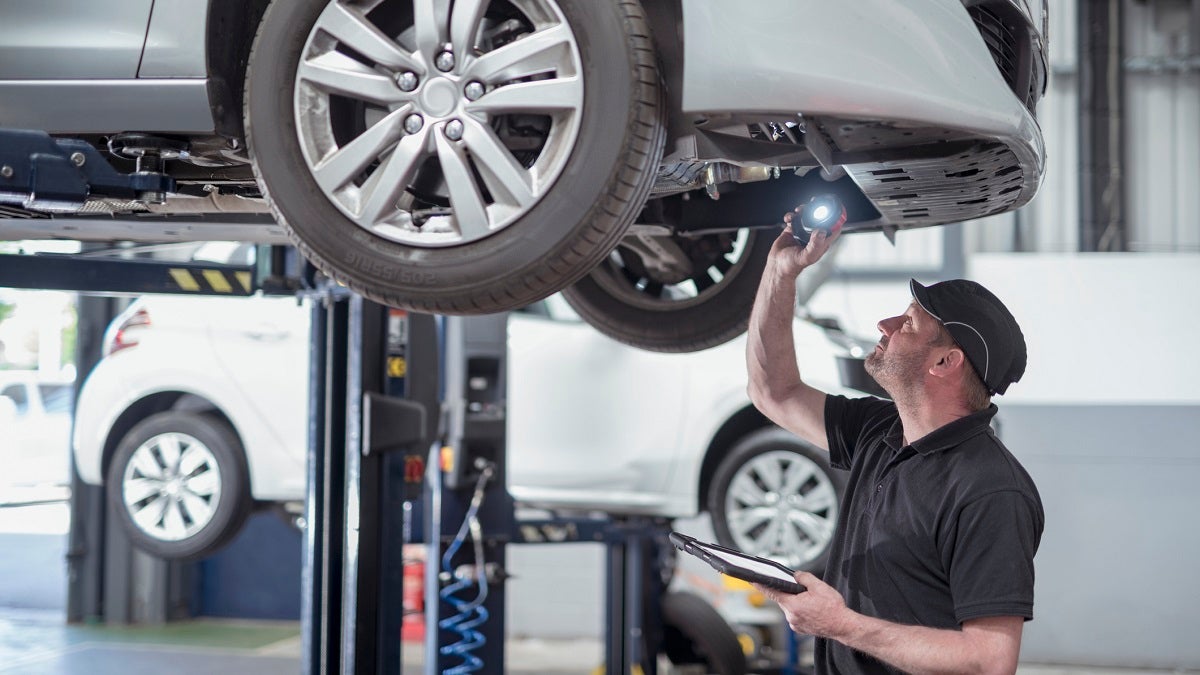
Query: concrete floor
column 38, row 643
column 34, row 639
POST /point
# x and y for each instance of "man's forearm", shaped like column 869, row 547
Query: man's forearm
column 771, row 351
column 921, row 650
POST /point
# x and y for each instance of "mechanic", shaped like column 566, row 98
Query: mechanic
column 931, row 567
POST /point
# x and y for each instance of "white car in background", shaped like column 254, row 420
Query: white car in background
column 197, row 414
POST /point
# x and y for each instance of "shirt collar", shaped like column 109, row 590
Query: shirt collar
column 946, row 436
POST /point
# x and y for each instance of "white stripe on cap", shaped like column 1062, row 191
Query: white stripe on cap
column 987, row 355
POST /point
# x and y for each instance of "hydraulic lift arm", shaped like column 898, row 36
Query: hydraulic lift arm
column 41, row 173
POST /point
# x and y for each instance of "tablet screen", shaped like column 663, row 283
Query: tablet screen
column 749, row 563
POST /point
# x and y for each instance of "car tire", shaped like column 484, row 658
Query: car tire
column 694, row 633
column 627, row 301
column 179, row 485
column 599, row 183
column 793, row 525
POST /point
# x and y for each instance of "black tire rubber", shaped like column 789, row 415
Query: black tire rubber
column 235, row 502
column 597, row 196
column 693, row 632
column 719, row 318
column 749, row 447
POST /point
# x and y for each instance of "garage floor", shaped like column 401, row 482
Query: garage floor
column 34, row 640
column 37, row 643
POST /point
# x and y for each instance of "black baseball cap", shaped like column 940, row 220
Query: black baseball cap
column 981, row 325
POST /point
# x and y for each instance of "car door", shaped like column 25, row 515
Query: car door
column 72, row 39
column 591, row 421
column 261, row 344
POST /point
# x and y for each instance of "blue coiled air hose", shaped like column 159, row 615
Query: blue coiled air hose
column 471, row 613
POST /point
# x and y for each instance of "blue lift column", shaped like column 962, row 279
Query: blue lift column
column 369, row 417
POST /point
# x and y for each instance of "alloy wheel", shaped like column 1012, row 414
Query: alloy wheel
column 171, row 486
column 781, row 505
column 431, row 125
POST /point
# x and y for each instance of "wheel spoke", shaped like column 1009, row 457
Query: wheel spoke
column 336, row 73
column 145, row 464
column 464, row 24
column 338, row 168
column 139, row 489
column 743, row 489
column 389, row 181
column 430, row 18
column 768, row 470
column 348, row 25
column 819, row 530
column 169, row 449
column 820, row 498
column 545, row 51
column 790, row 543
column 172, row 521
column 741, row 523
column 703, row 280
column 149, row 516
column 205, row 484
column 500, row 170
column 470, row 212
column 542, row 96
column 198, row 510
column 795, row 476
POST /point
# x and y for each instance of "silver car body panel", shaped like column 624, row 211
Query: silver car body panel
column 937, row 71
column 71, row 39
column 104, row 106
column 176, row 40
column 928, row 75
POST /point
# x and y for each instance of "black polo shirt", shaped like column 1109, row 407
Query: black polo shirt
column 933, row 533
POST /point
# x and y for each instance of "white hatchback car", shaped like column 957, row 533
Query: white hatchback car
column 197, row 412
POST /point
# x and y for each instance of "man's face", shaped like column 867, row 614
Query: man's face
column 905, row 349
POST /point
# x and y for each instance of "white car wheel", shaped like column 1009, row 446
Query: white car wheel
column 171, row 486
column 775, row 496
column 180, row 485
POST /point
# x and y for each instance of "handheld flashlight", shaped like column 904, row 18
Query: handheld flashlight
column 823, row 212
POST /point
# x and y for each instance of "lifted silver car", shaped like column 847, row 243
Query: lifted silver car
column 472, row 156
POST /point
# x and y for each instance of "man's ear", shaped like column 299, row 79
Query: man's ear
column 952, row 360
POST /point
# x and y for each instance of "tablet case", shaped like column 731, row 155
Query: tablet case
column 698, row 548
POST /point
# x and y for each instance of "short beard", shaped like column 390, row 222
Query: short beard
column 899, row 375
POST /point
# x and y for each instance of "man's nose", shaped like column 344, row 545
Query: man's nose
column 887, row 326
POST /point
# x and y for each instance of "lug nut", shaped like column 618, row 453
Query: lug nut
column 78, row 158
column 407, row 81
column 6, row 171
column 413, row 123
column 473, row 90
column 445, row 61
column 454, row 130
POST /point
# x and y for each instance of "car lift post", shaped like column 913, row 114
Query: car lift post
column 360, row 508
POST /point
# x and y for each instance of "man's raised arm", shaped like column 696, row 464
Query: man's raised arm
column 775, row 386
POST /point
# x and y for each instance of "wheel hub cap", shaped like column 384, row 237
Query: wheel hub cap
column 439, row 98
column 171, row 486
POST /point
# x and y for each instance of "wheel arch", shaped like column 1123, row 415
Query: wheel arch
column 743, row 422
column 153, row 404
column 232, row 25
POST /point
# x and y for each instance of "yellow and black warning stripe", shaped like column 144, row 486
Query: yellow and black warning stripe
column 210, row 281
